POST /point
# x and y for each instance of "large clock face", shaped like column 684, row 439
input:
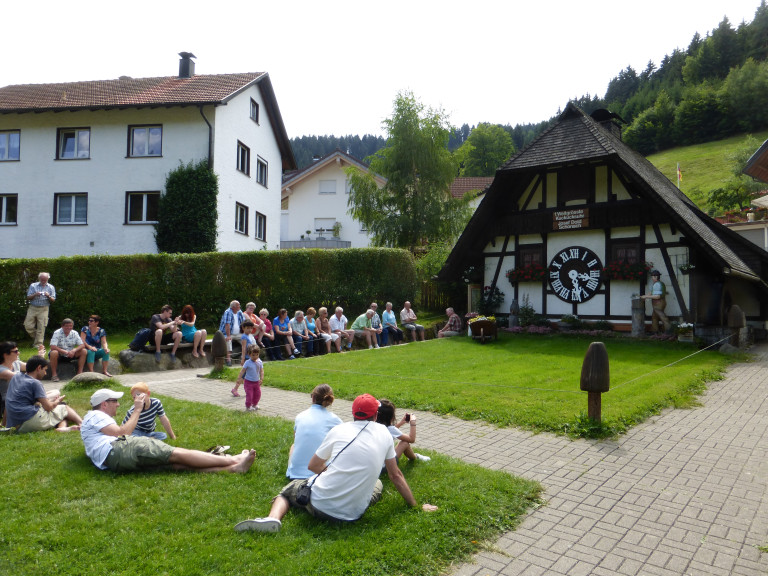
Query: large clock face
column 574, row 274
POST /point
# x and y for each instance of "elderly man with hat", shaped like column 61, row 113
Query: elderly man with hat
column 111, row 447
column 658, row 301
column 347, row 465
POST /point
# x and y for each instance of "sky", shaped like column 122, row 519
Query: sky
column 337, row 66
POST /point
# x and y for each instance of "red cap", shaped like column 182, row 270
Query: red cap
column 364, row 407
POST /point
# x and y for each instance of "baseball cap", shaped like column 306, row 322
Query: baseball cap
column 655, row 273
column 103, row 394
column 365, row 406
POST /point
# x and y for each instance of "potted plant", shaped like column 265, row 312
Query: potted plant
column 534, row 272
column 684, row 332
column 337, row 230
column 490, row 300
column 623, row 270
column 570, row 322
column 686, row 268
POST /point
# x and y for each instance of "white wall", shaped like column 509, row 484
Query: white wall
column 106, row 176
column 233, row 123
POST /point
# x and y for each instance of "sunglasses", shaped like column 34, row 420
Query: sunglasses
column 15, row 351
column 91, row 320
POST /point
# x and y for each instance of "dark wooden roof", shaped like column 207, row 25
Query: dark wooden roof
column 757, row 166
column 576, row 138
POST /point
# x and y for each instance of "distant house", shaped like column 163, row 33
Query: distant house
column 571, row 221
column 314, row 205
column 474, row 185
column 82, row 164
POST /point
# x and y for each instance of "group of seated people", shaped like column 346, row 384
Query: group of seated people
column 313, row 332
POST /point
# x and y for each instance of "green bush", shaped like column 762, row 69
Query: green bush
column 127, row 290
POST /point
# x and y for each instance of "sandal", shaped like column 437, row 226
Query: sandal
column 107, row 374
column 55, row 379
column 218, row 450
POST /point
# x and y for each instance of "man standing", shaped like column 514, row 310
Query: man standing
column 338, row 324
column 658, row 301
column 166, row 331
column 343, row 490
column 40, row 295
column 408, row 320
column 111, row 447
column 66, row 346
column 452, row 327
column 230, row 324
column 29, row 408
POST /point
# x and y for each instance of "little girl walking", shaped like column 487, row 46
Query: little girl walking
column 250, row 377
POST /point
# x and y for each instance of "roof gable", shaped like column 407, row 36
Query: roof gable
column 337, row 156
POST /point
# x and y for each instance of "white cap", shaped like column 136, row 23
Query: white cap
column 103, row 394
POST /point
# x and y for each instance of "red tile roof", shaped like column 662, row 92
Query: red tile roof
column 466, row 184
column 125, row 92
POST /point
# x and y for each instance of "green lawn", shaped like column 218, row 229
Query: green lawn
column 529, row 381
column 62, row 515
column 705, row 166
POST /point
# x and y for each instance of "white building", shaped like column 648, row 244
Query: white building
column 315, row 199
column 82, row 164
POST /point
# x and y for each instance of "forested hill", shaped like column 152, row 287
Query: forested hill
column 715, row 88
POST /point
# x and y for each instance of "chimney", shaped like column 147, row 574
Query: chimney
column 186, row 65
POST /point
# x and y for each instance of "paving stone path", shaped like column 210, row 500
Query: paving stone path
column 682, row 493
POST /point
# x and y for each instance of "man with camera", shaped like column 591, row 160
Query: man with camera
column 342, row 489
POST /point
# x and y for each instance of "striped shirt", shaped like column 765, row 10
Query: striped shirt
column 146, row 421
column 36, row 287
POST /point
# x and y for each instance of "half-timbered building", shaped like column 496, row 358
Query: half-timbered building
column 574, row 222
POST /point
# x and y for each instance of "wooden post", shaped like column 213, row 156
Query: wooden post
column 219, row 349
column 595, row 378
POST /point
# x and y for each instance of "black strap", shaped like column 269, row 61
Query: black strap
column 337, row 455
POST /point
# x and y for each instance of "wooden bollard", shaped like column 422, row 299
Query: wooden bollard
column 595, row 378
column 219, row 349
column 736, row 321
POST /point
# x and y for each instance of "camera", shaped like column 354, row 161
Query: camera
column 407, row 417
column 304, row 495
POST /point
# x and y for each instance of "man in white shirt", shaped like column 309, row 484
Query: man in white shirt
column 343, row 488
column 339, row 326
column 66, row 346
column 111, row 447
column 408, row 320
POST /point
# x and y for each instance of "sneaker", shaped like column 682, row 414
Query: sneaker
column 422, row 457
column 296, row 352
column 10, row 430
column 235, row 392
column 229, row 363
column 259, row 525
column 371, row 347
column 349, row 346
column 252, row 408
column 158, row 356
column 173, row 357
column 377, row 346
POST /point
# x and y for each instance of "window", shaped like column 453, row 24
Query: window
column 626, row 252
column 261, row 171
column 145, row 141
column 324, row 226
column 8, row 206
column 141, row 207
column 254, row 111
column 10, row 141
column 73, row 143
column 529, row 255
column 284, row 203
column 261, row 226
column 573, row 183
column 241, row 218
column 71, row 208
column 243, row 158
column 327, row 186
column 347, row 187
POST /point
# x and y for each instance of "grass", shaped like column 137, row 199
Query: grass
column 62, row 515
column 528, row 381
column 705, row 166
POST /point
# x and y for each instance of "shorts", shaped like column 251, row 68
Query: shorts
column 44, row 420
column 291, row 490
column 136, row 453
column 412, row 326
column 167, row 338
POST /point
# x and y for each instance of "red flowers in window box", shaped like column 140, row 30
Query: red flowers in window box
column 533, row 272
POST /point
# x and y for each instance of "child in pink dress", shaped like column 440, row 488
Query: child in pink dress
column 250, row 377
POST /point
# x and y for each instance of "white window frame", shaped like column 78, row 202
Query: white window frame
column 4, row 201
column 6, row 147
column 132, row 137
column 326, row 229
column 79, row 153
column 261, row 171
column 72, row 199
column 254, row 111
column 144, row 206
column 243, row 158
column 241, row 218
column 260, row 226
column 326, row 187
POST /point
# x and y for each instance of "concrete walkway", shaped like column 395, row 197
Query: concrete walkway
column 683, row 493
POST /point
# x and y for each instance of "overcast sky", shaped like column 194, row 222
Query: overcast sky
column 337, row 66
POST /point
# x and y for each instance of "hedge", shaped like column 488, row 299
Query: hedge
column 126, row 290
